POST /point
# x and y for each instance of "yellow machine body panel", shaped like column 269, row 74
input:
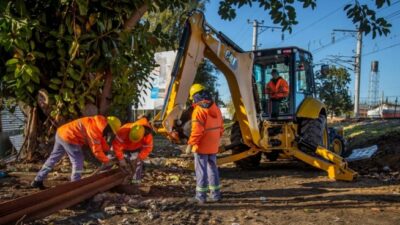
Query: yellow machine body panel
column 310, row 108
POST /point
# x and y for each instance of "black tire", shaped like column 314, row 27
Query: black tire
column 251, row 162
column 337, row 143
column 312, row 131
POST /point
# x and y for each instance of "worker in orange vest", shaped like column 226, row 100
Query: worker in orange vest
column 207, row 129
column 69, row 140
column 134, row 142
column 277, row 89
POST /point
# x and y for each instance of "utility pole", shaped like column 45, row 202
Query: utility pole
column 357, row 69
column 256, row 25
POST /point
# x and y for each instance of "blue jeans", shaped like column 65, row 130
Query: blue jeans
column 207, row 177
column 61, row 147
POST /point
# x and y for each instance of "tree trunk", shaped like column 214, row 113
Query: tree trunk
column 135, row 17
column 30, row 134
column 106, row 96
column 105, row 100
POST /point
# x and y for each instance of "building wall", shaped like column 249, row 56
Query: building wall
column 153, row 98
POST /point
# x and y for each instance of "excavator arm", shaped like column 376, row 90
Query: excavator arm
column 200, row 41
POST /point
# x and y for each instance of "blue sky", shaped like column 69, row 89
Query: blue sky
column 314, row 32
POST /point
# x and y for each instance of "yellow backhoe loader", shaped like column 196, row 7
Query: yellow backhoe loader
column 298, row 130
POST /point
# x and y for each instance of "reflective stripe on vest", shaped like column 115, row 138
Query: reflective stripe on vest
column 212, row 128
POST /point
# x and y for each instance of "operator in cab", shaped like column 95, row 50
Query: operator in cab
column 277, row 89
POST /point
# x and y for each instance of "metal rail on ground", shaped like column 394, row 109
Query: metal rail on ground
column 48, row 201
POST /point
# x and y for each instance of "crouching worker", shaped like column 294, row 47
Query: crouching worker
column 69, row 140
column 134, row 142
column 204, row 140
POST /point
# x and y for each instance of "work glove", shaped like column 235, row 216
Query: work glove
column 123, row 165
column 188, row 149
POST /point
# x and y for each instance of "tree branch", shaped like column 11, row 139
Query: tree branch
column 135, row 17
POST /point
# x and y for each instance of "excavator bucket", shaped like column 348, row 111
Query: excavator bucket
column 362, row 153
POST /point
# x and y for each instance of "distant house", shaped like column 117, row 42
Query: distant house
column 384, row 111
column 11, row 129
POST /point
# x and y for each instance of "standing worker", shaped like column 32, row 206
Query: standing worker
column 277, row 89
column 70, row 138
column 204, row 140
column 135, row 141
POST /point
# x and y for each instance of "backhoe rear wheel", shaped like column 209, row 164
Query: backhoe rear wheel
column 314, row 131
column 337, row 143
column 251, row 162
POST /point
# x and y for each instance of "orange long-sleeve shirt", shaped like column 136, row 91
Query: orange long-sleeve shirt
column 122, row 142
column 278, row 88
column 207, row 129
column 87, row 130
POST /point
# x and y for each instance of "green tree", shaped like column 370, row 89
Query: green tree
column 68, row 58
column 332, row 88
column 283, row 12
column 206, row 76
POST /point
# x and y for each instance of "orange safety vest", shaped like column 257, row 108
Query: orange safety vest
column 122, row 142
column 278, row 89
column 87, row 130
column 207, row 129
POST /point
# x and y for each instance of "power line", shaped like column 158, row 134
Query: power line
column 243, row 34
column 313, row 23
column 373, row 52
column 394, row 3
column 393, row 14
column 330, row 44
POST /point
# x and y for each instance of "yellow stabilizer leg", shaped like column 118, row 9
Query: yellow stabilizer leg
column 336, row 167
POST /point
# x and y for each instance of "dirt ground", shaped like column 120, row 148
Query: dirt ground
column 281, row 192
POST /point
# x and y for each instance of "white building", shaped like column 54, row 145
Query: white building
column 153, row 99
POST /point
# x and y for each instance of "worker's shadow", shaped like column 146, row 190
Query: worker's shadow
column 272, row 170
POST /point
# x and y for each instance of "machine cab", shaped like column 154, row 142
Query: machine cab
column 294, row 65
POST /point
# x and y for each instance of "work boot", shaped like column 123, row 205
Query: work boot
column 196, row 200
column 38, row 184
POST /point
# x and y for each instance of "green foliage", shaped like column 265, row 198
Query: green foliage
column 366, row 19
column 66, row 46
column 282, row 12
column 333, row 91
column 171, row 22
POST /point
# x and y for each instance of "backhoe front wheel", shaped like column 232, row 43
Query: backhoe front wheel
column 314, row 131
column 251, row 162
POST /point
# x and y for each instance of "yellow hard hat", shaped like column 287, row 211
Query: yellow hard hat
column 136, row 134
column 195, row 89
column 114, row 123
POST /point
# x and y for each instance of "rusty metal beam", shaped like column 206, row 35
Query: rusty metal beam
column 48, row 201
